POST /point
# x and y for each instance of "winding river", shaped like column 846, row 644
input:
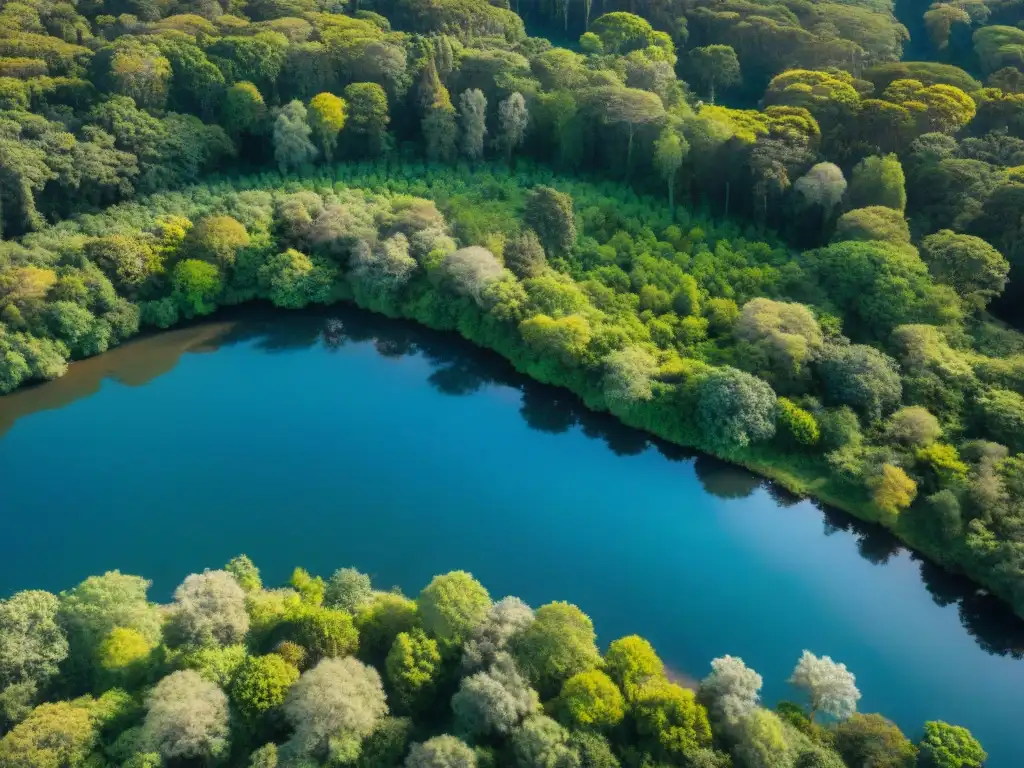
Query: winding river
column 344, row 438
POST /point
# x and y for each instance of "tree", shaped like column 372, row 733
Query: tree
column 368, row 113
column 339, row 700
column 216, row 239
column 413, row 666
column 524, row 255
column 950, row 746
column 491, row 636
column 796, row 424
column 473, row 122
column 471, row 270
column 452, row 605
column 628, row 375
column 379, row 622
column 824, row 186
column 196, row 286
column 861, row 377
column 669, row 151
column 100, row 603
column 1001, row 413
column 123, row 656
column 550, row 214
column 878, row 181
column 52, row 736
column 540, row 741
column 243, row 110
column 387, row 744
column 975, row 270
column 246, row 573
column 294, row 280
column 261, row 684
column 292, row 146
column 438, row 124
column 785, row 338
column 348, row 590
column 631, row 107
column 32, row 643
column 873, row 740
column 621, row 32
column 590, row 700
column 734, row 408
column 670, row 719
column 127, row 261
column 762, row 741
column 186, row 718
column 493, row 701
column 209, row 608
column 326, row 119
column 828, row 684
column 913, row 426
column 325, row 632
column 631, row 662
column 441, row 752
column 557, row 645
column 731, row 692
column 513, row 119
column 876, row 222
column 715, row 66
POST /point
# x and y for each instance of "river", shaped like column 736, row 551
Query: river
column 344, row 438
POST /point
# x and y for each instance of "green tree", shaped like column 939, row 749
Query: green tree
column 878, row 181
column 550, row 214
column 557, row 645
column 669, row 718
column 368, row 114
column 631, row 662
column 590, row 700
column 348, row 590
column 216, row 239
column 862, row 378
column 261, row 684
column 669, row 151
column 975, row 270
column 763, row 742
column 441, row 752
column 473, row 122
column 196, row 286
column 715, row 66
column 413, row 666
column 513, row 119
column 451, row 605
column 243, row 110
column 57, row 735
column 950, row 746
column 32, row 643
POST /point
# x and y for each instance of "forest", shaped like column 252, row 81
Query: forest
column 789, row 234
column 336, row 673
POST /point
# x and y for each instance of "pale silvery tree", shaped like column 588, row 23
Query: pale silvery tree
column 471, row 270
column 187, row 718
column 489, row 638
column 473, row 119
column 628, row 374
column 385, row 266
column 337, row 701
column 209, row 608
column 829, row 684
column 495, row 701
column 731, row 691
column 512, row 121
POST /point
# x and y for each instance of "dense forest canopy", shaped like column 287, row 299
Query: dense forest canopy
column 335, row 673
column 837, row 326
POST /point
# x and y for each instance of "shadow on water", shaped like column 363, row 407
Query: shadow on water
column 458, row 368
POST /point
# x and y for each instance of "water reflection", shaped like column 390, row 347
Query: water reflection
column 458, row 369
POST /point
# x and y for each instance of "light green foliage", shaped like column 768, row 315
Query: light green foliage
column 451, row 606
column 878, row 181
column 540, row 741
column 558, row 644
column 670, row 719
column 245, row 572
column 796, row 424
column 913, row 426
column 294, row 280
column 590, row 700
column 631, row 662
column 218, row 665
column 413, row 666
column 293, row 147
column 325, row 632
column 862, row 378
column 524, row 255
column 57, row 735
column 124, row 654
column 950, row 746
column 380, row 620
column 196, row 287
column 550, row 214
column 100, row 603
column 762, row 741
column 348, row 590
column 875, row 222
column 628, row 375
column 975, row 269
column 1001, row 412
column 261, row 684
column 387, row 744
column 326, row 117
column 310, row 588
column 243, row 110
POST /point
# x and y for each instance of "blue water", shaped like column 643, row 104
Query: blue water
column 407, row 453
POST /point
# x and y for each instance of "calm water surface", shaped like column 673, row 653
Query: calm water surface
column 406, row 453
